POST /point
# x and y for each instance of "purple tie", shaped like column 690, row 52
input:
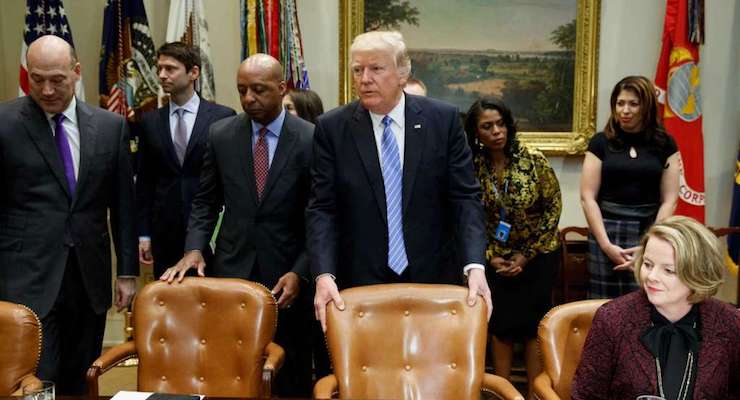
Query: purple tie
column 60, row 137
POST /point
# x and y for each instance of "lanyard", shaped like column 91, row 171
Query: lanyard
column 502, row 210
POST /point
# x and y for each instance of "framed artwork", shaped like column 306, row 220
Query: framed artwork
column 540, row 57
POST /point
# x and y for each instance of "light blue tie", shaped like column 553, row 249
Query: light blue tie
column 392, row 175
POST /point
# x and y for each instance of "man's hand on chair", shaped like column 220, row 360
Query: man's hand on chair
column 326, row 292
column 192, row 259
column 478, row 286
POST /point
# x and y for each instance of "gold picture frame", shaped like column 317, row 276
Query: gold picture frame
column 351, row 23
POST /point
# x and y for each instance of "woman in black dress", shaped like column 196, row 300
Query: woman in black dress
column 629, row 181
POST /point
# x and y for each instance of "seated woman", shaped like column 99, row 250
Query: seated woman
column 521, row 198
column 670, row 338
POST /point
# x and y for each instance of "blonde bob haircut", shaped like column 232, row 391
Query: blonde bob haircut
column 386, row 41
column 699, row 263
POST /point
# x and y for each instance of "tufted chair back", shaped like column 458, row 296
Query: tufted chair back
column 205, row 336
column 20, row 347
column 561, row 335
column 209, row 336
column 407, row 341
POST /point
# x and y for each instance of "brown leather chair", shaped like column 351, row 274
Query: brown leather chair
column 561, row 335
column 20, row 348
column 210, row 336
column 409, row 341
column 574, row 276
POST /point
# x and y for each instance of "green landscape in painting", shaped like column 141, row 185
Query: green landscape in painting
column 532, row 69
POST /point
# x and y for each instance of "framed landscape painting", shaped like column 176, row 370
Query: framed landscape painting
column 540, row 57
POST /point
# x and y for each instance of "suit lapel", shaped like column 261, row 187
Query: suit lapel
column 283, row 151
column 165, row 136
column 37, row 127
column 202, row 119
column 88, row 134
column 415, row 136
column 243, row 141
column 361, row 130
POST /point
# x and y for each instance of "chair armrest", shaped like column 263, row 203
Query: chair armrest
column 500, row 387
column 274, row 357
column 114, row 356
column 542, row 388
column 326, row 387
column 29, row 382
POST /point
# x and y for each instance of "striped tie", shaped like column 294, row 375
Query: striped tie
column 392, row 174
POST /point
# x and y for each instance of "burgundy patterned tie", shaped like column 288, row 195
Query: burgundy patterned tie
column 60, row 137
column 261, row 162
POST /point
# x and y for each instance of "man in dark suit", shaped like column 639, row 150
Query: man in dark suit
column 394, row 196
column 172, row 141
column 64, row 167
column 257, row 165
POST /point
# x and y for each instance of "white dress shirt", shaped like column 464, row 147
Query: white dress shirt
column 191, row 111
column 398, row 127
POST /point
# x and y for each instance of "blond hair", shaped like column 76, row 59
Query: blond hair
column 388, row 41
column 698, row 260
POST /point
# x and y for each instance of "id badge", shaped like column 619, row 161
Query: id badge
column 502, row 231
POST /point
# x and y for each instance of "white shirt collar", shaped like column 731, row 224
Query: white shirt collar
column 191, row 106
column 70, row 113
column 397, row 114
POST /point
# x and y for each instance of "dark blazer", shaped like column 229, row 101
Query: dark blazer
column 41, row 223
column 616, row 365
column 165, row 189
column 442, row 213
column 270, row 233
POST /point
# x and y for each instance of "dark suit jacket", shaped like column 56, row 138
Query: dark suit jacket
column 442, row 212
column 270, row 233
column 41, row 223
column 165, row 189
column 616, row 365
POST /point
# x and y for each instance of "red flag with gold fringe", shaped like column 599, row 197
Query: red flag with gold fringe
column 677, row 78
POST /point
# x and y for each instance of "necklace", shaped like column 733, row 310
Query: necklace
column 683, row 391
column 633, row 152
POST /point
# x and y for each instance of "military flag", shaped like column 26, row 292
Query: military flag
column 677, row 79
column 187, row 24
column 271, row 26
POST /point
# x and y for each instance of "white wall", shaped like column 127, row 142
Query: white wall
column 629, row 44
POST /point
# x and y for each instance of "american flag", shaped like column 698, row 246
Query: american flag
column 44, row 17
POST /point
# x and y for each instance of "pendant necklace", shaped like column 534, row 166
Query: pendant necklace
column 633, row 152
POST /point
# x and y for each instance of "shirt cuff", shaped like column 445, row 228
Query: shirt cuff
column 145, row 238
column 127, row 276
column 470, row 266
column 334, row 278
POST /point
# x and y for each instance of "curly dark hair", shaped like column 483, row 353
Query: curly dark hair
column 473, row 115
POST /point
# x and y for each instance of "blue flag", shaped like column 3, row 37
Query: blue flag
column 733, row 241
column 128, row 75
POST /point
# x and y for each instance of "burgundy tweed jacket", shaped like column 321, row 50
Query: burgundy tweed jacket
column 616, row 365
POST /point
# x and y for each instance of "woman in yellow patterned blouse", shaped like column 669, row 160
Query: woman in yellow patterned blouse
column 521, row 197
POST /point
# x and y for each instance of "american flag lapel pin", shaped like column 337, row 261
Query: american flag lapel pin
column 417, row 126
